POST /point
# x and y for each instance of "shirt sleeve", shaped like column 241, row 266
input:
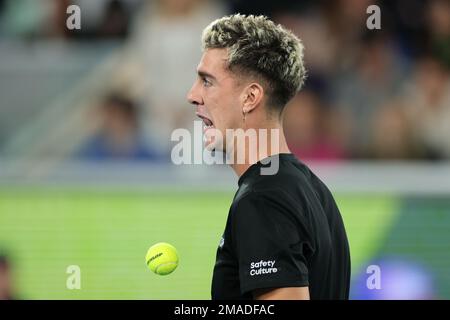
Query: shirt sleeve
column 269, row 243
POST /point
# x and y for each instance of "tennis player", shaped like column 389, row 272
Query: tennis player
column 284, row 237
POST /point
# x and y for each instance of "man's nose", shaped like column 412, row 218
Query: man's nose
column 193, row 97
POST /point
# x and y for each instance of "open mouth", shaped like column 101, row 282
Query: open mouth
column 209, row 131
column 206, row 121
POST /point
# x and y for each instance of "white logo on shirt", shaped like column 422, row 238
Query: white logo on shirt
column 262, row 267
column 222, row 242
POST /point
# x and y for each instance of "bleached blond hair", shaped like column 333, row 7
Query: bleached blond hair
column 259, row 47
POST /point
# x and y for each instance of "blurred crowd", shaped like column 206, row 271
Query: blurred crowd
column 6, row 287
column 370, row 94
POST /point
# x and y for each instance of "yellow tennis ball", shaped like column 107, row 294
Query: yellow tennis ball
column 162, row 258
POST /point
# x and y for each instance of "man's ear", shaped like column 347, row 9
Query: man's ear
column 252, row 97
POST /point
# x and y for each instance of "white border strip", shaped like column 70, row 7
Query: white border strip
column 352, row 177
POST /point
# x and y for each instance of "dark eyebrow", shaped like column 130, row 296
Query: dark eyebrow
column 204, row 74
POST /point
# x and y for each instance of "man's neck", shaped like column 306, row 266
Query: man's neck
column 275, row 142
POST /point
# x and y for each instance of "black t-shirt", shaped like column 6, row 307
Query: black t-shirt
column 283, row 230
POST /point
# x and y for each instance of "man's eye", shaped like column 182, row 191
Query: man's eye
column 206, row 83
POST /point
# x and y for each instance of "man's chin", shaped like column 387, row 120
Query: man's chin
column 212, row 146
column 212, row 140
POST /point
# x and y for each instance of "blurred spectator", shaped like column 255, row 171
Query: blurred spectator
column 6, row 289
column 405, row 20
column 438, row 25
column 438, row 19
column 391, row 133
column 373, row 78
column 312, row 130
column 116, row 21
column 427, row 104
column 160, row 60
column 27, row 18
column 119, row 136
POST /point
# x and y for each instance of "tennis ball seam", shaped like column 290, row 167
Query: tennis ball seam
column 164, row 264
